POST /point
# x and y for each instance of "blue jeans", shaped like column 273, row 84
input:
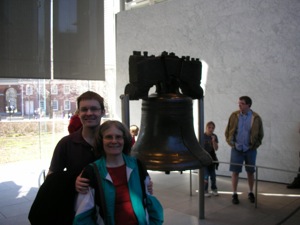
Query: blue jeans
column 210, row 171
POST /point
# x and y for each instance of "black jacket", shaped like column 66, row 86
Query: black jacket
column 54, row 203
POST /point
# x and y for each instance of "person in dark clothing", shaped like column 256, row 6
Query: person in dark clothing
column 75, row 151
column 211, row 146
column 55, row 200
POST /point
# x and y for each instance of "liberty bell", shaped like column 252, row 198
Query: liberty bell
column 167, row 141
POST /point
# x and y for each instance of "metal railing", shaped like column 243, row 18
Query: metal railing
column 42, row 177
column 201, row 182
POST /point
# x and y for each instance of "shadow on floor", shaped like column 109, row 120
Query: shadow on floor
column 276, row 204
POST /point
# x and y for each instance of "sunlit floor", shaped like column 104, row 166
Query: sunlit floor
column 275, row 203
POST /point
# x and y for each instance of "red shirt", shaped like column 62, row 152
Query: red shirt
column 124, row 213
column 132, row 141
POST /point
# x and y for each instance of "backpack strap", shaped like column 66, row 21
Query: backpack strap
column 143, row 174
column 100, row 197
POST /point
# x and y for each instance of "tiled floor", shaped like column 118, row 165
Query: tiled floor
column 276, row 204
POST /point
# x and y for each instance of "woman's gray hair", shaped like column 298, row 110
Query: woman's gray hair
column 105, row 126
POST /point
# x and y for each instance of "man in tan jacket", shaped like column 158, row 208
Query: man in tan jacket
column 244, row 133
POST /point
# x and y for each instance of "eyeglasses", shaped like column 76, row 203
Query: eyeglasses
column 92, row 109
column 112, row 137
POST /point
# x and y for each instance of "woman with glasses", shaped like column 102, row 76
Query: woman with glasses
column 119, row 181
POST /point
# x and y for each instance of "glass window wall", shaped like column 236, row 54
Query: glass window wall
column 33, row 119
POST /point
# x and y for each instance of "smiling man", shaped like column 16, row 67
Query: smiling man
column 75, row 151
column 54, row 203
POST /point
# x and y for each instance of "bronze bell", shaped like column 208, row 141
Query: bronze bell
column 167, row 140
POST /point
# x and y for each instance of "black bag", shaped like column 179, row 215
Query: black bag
column 54, row 202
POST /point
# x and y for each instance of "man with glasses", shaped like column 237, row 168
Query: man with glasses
column 55, row 199
column 75, row 151
column 54, row 203
column 244, row 133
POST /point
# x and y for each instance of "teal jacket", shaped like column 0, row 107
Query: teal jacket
column 256, row 132
column 85, row 207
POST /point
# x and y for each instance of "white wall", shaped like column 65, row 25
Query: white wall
column 252, row 47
